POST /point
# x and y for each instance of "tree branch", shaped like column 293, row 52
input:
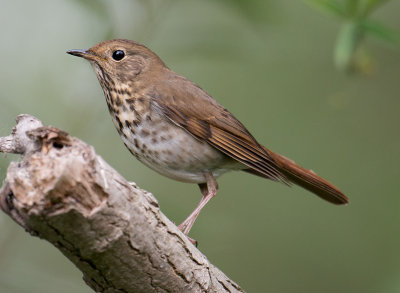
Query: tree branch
column 112, row 231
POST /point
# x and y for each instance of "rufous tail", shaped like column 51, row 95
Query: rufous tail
column 305, row 178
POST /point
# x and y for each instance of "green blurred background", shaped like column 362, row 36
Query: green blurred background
column 271, row 64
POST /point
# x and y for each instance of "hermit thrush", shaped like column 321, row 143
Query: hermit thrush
column 174, row 127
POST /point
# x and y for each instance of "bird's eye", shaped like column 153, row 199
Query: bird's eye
column 118, row 55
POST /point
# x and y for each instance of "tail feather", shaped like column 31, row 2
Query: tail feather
column 305, row 178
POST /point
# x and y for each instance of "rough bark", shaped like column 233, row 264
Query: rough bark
column 111, row 230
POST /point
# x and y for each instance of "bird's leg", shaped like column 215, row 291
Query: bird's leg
column 209, row 190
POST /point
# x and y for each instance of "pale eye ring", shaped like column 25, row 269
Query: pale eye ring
column 118, row 55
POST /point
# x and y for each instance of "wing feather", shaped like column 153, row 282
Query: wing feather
column 247, row 151
column 188, row 106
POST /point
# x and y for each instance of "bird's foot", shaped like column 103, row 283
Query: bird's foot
column 193, row 241
column 183, row 227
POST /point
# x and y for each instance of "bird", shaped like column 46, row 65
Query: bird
column 173, row 126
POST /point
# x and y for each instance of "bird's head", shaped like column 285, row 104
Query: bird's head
column 120, row 61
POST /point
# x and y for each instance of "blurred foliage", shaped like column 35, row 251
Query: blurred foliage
column 269, row 63
column 102, row 10
column 257, row 11
column 350, row 53
column 144, row 22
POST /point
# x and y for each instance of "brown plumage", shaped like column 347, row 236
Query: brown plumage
column 176, row 128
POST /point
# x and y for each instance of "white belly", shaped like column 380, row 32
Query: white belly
column 173, row 152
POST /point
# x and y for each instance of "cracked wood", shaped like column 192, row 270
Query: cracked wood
column 112, row 231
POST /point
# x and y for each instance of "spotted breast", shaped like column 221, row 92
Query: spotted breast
column 158, row 143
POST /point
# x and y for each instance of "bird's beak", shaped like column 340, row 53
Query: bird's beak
column 87, row 54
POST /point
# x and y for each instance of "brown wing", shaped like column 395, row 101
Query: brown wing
column 188, row 106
